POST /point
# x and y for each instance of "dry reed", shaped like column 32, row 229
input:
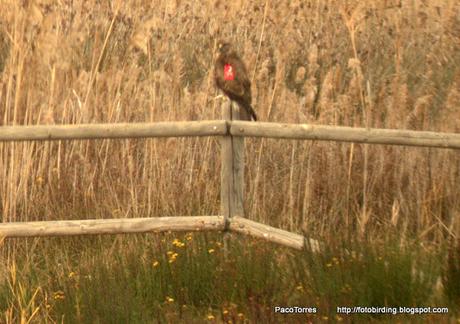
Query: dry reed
column 332, row 62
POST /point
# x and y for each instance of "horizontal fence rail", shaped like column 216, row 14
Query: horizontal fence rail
column 232, row 132
column 118, row 130
column 156, row 224
column 112, row 226
column 346, row 134
column 272, row 234
column 235, row 128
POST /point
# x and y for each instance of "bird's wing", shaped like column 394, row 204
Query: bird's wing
column 234, row 87
column 241, row 84
column 242, row 74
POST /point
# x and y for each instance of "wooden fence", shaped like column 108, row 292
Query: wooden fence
column 232, row 130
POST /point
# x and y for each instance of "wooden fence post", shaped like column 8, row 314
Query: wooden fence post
column 232, row 174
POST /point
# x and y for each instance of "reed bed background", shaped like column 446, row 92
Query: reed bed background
column 386, row 64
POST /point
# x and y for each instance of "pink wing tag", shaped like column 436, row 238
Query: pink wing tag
column 229, row 73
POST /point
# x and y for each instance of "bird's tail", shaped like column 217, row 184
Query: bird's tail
column 250, row 111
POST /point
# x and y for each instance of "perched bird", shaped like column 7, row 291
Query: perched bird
column 231, row 77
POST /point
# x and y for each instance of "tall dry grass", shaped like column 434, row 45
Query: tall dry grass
column 389, row 64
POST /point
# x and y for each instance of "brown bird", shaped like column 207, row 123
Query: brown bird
column 231, row 77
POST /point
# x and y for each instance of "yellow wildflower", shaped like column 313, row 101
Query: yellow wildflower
column 172, row 257
column 178, row 243
column 58, row 295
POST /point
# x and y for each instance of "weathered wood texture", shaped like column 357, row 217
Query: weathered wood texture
column 238, row 164
column 119, row 130
column 237, row 128
column 232, row 174
column 346, row 134
column 226, row 176
column 272, row 234
column 112, row 226
column 233, row 132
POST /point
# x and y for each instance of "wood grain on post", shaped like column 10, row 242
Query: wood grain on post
column 232, row 176
column 238, row 163
column 112, row 226
column 226, row 177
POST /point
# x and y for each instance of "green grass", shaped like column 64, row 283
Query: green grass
column 188, row 278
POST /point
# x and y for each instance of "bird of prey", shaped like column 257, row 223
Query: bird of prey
column 231, row 77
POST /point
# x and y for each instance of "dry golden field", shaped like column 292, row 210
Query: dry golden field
column 386, row 64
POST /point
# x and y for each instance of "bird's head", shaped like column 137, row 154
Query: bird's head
column 224, row 47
